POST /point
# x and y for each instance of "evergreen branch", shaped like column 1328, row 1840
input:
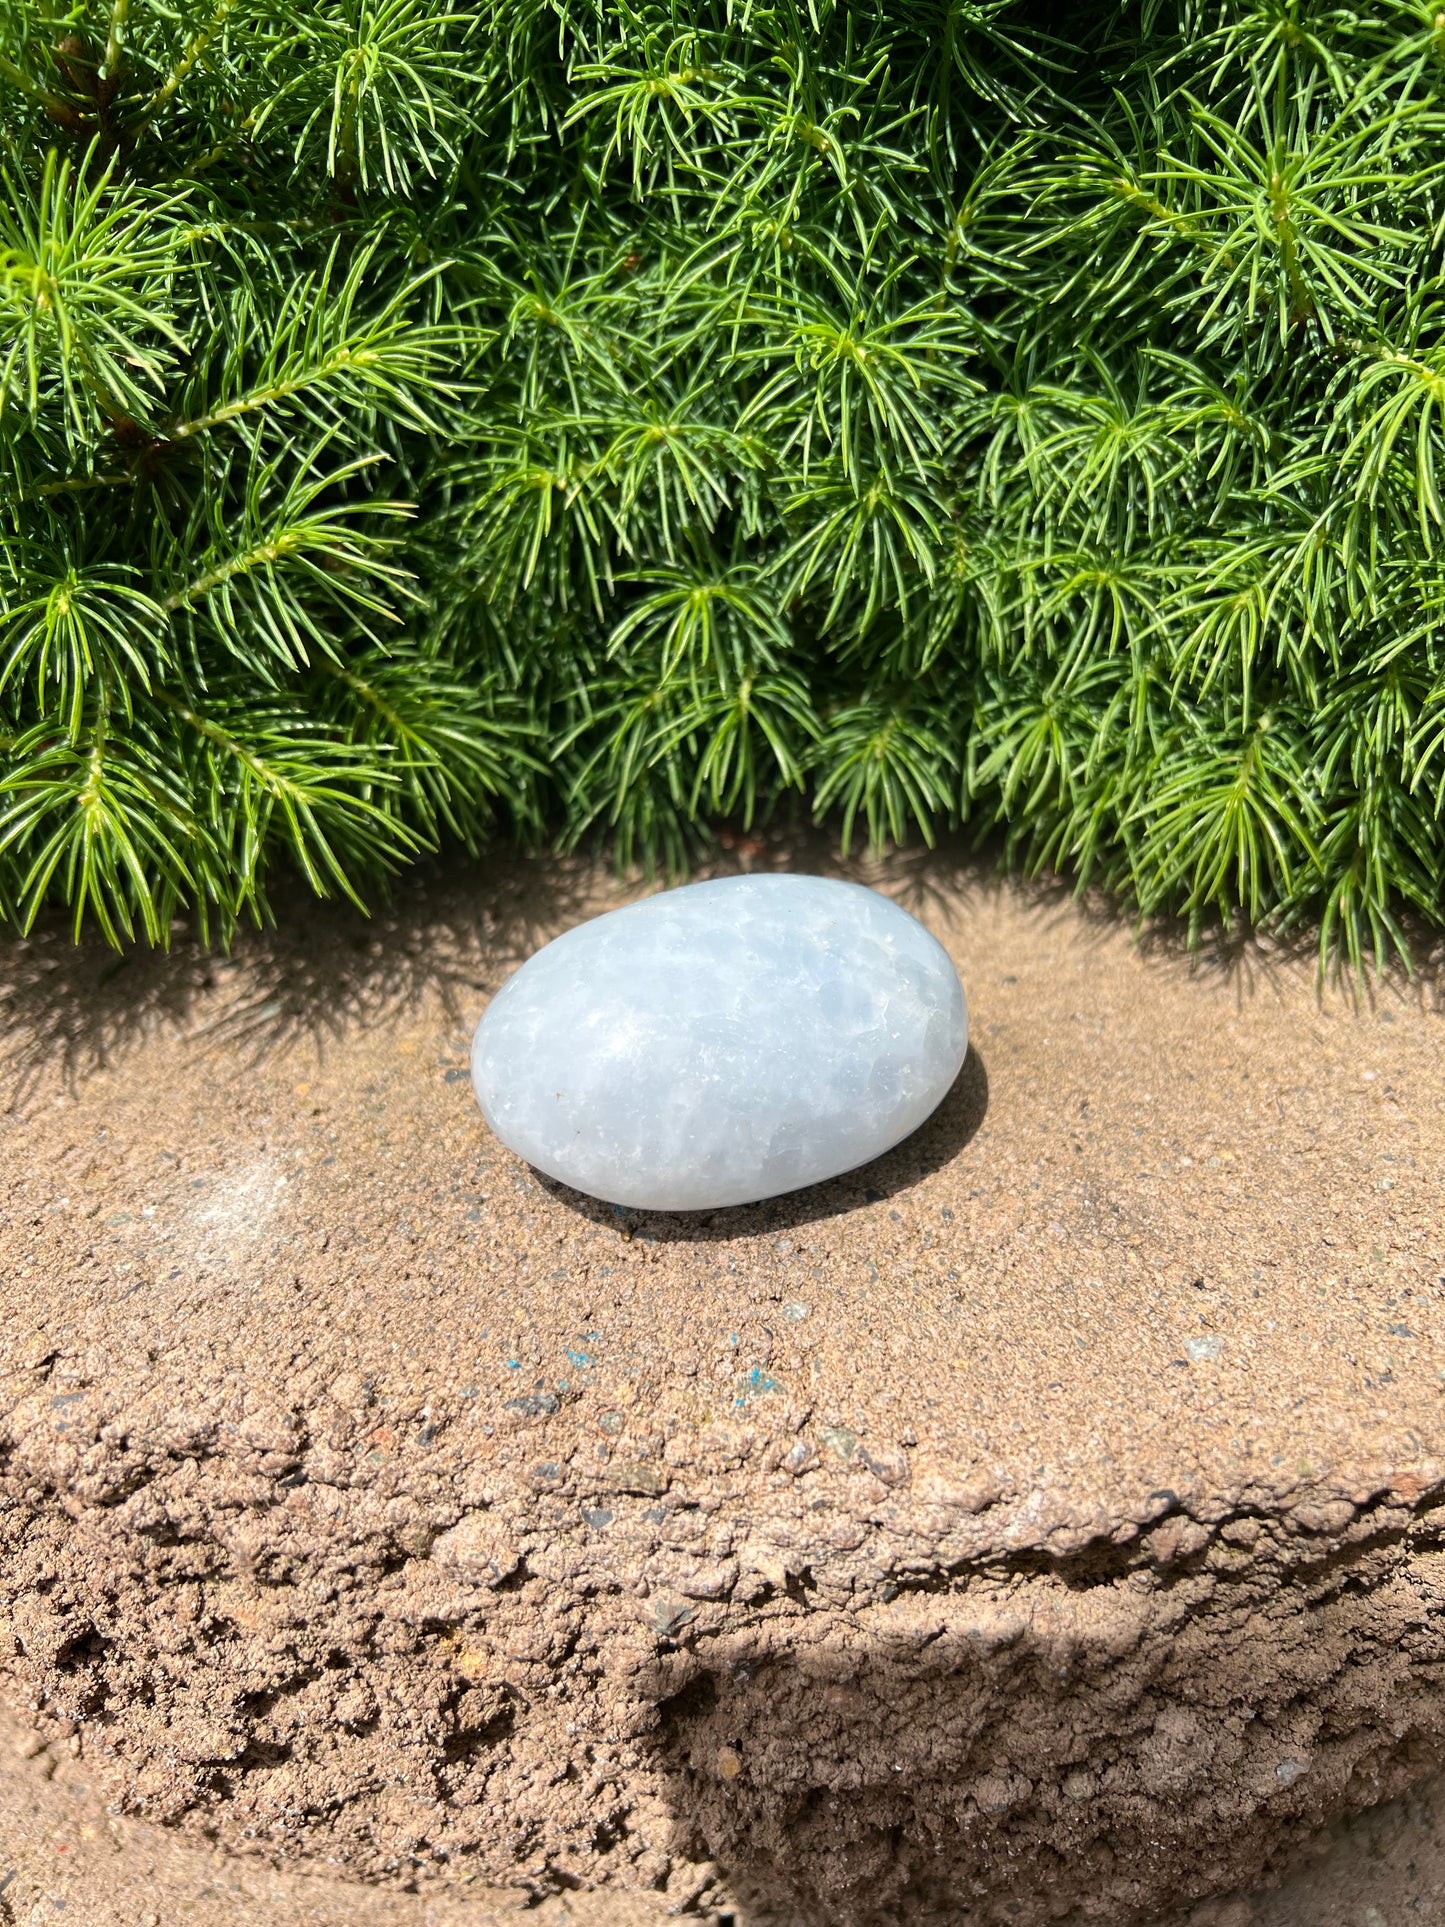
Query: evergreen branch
column 899, row 407
column 191, row 56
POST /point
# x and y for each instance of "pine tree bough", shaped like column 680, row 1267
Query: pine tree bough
column 594, row 420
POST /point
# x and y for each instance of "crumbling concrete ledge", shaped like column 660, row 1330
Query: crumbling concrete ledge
column 1044, row 1523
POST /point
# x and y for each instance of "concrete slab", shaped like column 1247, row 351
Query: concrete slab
column 1043, row 1523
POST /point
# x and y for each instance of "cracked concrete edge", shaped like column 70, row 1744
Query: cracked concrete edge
column 895, row 1522
column 925, row 1577
column 1339, row 1652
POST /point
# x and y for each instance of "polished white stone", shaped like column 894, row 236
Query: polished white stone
column 721, row 1043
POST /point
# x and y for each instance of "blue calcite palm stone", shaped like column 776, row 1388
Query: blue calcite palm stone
column 722, row 1043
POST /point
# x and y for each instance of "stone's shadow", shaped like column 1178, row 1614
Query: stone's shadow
column 936, row 1142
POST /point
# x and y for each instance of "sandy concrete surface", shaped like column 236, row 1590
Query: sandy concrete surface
column 1043, row 1523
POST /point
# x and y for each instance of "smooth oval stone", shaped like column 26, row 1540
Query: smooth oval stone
column 721, row 1043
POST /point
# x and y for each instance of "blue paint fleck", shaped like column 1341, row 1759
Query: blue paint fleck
column 757, row 1381
column 580, row 1359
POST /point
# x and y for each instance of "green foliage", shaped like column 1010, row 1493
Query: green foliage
column 614, row 416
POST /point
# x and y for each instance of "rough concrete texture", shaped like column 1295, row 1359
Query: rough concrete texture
column 67, row 1857
column 1044, row 1523
column 71, row 1860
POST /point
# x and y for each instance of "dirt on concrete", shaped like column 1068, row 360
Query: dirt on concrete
column 1044, row 1523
